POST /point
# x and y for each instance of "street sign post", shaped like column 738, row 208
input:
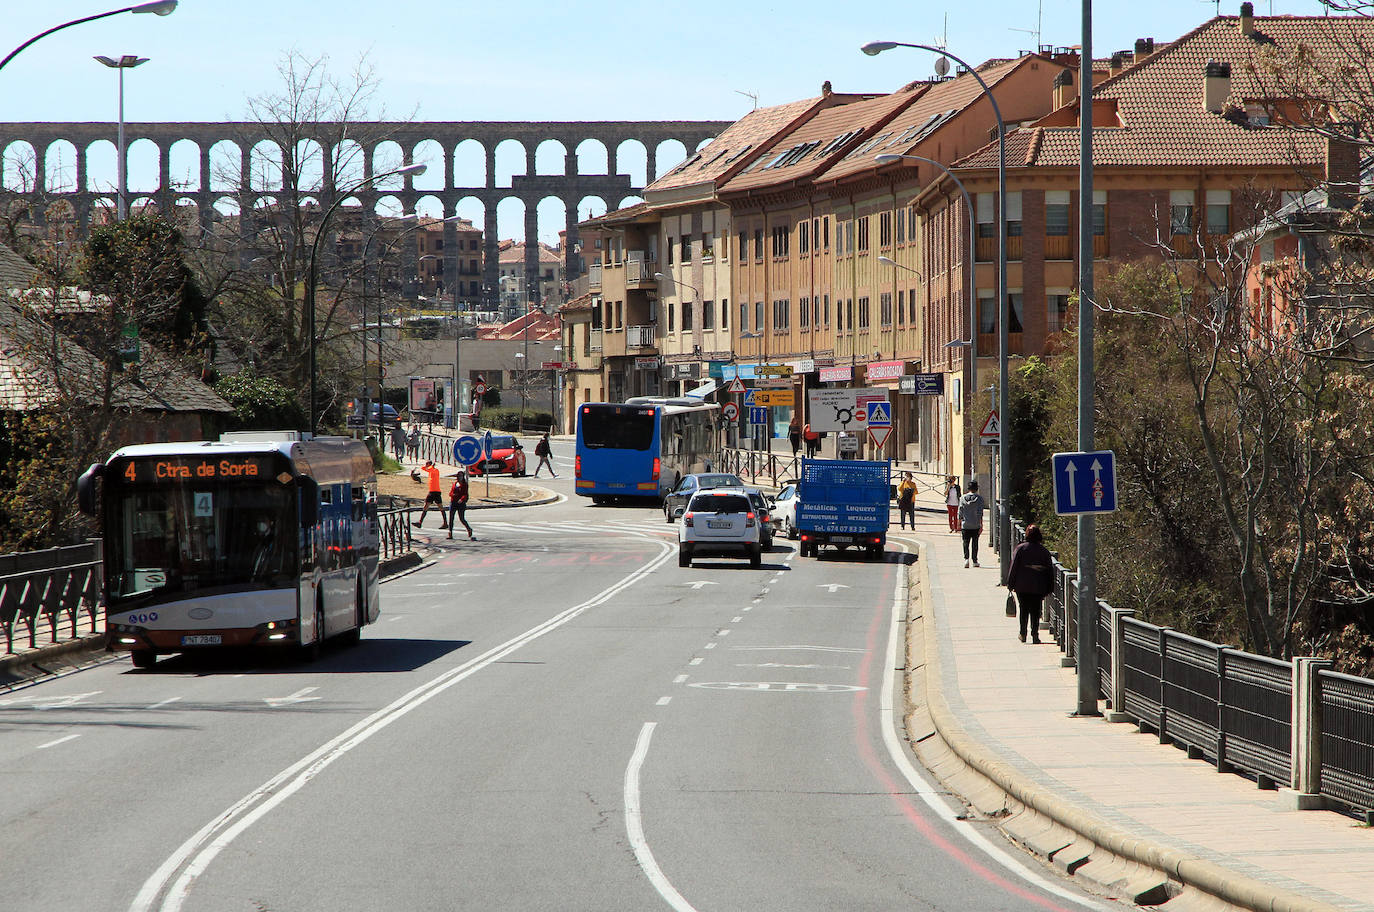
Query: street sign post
column 486, row 454
column 842, row 409
column 1084, row 482
column 991, row 433
column 758, row 415
column 467, row 449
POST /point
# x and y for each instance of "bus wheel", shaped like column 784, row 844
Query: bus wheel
column 312, row 651
column 354, row 636
column 143, row 658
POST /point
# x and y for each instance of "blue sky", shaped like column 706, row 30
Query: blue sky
column 538, row 60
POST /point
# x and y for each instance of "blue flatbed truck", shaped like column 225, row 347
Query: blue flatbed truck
column 843, row 503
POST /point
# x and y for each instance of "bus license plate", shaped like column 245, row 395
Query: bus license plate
column 718, row 524
column 201, row 639
column 846, row 539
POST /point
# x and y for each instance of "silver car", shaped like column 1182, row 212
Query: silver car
column 676, row 500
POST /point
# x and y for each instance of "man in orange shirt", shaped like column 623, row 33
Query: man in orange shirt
column 435, row 495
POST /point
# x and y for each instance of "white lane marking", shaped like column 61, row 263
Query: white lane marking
column 297, row 697
column 736, row 619
column 697, row 584
column 197, row 852
column 724, row 631
column 709, row 646
column 664, row 701
column 831, row 586
column 786, row 665
column 634, row 826
column 696, row 661
column 887, row 719
column 816, row 648
column 746, row 607
column 779, row 687
column 679, row 679
column 765, row 590
column 57, row 742
column 64, row 702
column 394, row 617
column 161, row 703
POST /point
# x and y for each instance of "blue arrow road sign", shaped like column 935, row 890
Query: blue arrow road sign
column 758, row 414
column 486, row 444
column 1084, row 482
column 467, row 450
column 879, row 414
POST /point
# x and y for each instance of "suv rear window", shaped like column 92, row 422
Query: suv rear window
column 720, row 503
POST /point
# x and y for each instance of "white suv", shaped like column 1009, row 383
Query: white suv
column 720, row 521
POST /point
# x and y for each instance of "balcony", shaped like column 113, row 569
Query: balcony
column 639, row 336
column 639, row 270
column 594, row 276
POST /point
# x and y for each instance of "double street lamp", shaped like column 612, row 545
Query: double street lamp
column 1003, row 517
column 311, row 270
column 127, row 62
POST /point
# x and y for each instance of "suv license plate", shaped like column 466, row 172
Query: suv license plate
column 718, row 524
column 842, row 538
column 201, row 639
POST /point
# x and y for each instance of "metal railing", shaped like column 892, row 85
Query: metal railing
column 1244, row 712
column 639, row 336
column 394, row 532
column 52, row 592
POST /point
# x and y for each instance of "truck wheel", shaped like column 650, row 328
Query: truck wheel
column 143, row 658
column 755, row 558
column 684, row 556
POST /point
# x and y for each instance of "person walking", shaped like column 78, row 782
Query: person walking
column 398, row 441
column 794, row 433
column 952, row 495
column 435, row 495
column 813, row 440
column 413, row 442
column 544, row 450
column 971, row 507
column 1031, row 577
column 906, row 500
column 458, row 504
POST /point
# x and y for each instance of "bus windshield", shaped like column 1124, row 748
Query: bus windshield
column 178, row 538
column 617, row 428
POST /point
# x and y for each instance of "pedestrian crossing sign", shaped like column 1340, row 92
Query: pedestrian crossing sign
column 880, row 413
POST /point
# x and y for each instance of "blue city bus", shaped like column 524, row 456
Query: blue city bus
column 257, row 539
column 643, row 446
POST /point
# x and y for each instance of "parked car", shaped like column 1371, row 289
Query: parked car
column 763, row 508
column 676, row 500
column 507, row 457
column 784, row 512
column 382, row 414
column 719, row 521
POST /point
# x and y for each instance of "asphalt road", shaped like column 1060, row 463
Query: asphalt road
column 555, row 716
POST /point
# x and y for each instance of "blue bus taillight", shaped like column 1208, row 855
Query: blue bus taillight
column 577, row 466
column 658, row 465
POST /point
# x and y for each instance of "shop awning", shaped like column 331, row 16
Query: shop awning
column 701, row 392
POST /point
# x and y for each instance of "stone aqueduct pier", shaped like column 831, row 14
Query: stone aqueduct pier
column 571, row 187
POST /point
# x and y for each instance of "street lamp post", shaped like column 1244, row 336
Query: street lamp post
column 160, row 8
column 127, row 62
column 310, row 274
column 1003, row 526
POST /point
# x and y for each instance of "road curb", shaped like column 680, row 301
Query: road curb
column 1032, row 815
column 94, row 642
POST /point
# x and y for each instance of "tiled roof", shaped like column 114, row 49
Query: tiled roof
column 932, row 110
column 1161, row 121
column 822, row 140
column 514, row 252
column 15, row 271
column 736, row 145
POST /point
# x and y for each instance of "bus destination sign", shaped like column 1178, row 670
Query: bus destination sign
column 178, row 469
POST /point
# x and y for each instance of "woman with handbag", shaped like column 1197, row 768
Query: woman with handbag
column 1031, row 577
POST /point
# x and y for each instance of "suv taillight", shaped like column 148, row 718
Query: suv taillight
column 687, row 520
column 748, row 520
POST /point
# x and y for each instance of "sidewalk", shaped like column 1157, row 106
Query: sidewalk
column 1100, row 799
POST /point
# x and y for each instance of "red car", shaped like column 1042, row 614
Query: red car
column 507, row 457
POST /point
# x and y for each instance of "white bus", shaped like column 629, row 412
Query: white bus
column 261, row 538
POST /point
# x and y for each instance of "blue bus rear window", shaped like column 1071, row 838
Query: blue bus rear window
column 617, row 429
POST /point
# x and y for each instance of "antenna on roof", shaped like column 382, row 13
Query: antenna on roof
column 1217, row 4
column 942, row 40
column 1039, row 17
column 753, row 96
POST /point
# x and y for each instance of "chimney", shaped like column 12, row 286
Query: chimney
column 1063, row 92
column 1216, row 86
column 1118, row 62
column 825, row 88
column 1144, row 47
column 1342, row 166
column 1247, row 19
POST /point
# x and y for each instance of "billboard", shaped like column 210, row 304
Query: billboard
column 423, row 396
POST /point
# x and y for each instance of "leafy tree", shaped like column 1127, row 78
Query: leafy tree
column 261, row 403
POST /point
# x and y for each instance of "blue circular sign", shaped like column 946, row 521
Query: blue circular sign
column 486, row 444
column 467, row 450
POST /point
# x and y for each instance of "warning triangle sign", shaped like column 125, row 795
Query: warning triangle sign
column 992, row 427
column 879, row 435
column 736, row 385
